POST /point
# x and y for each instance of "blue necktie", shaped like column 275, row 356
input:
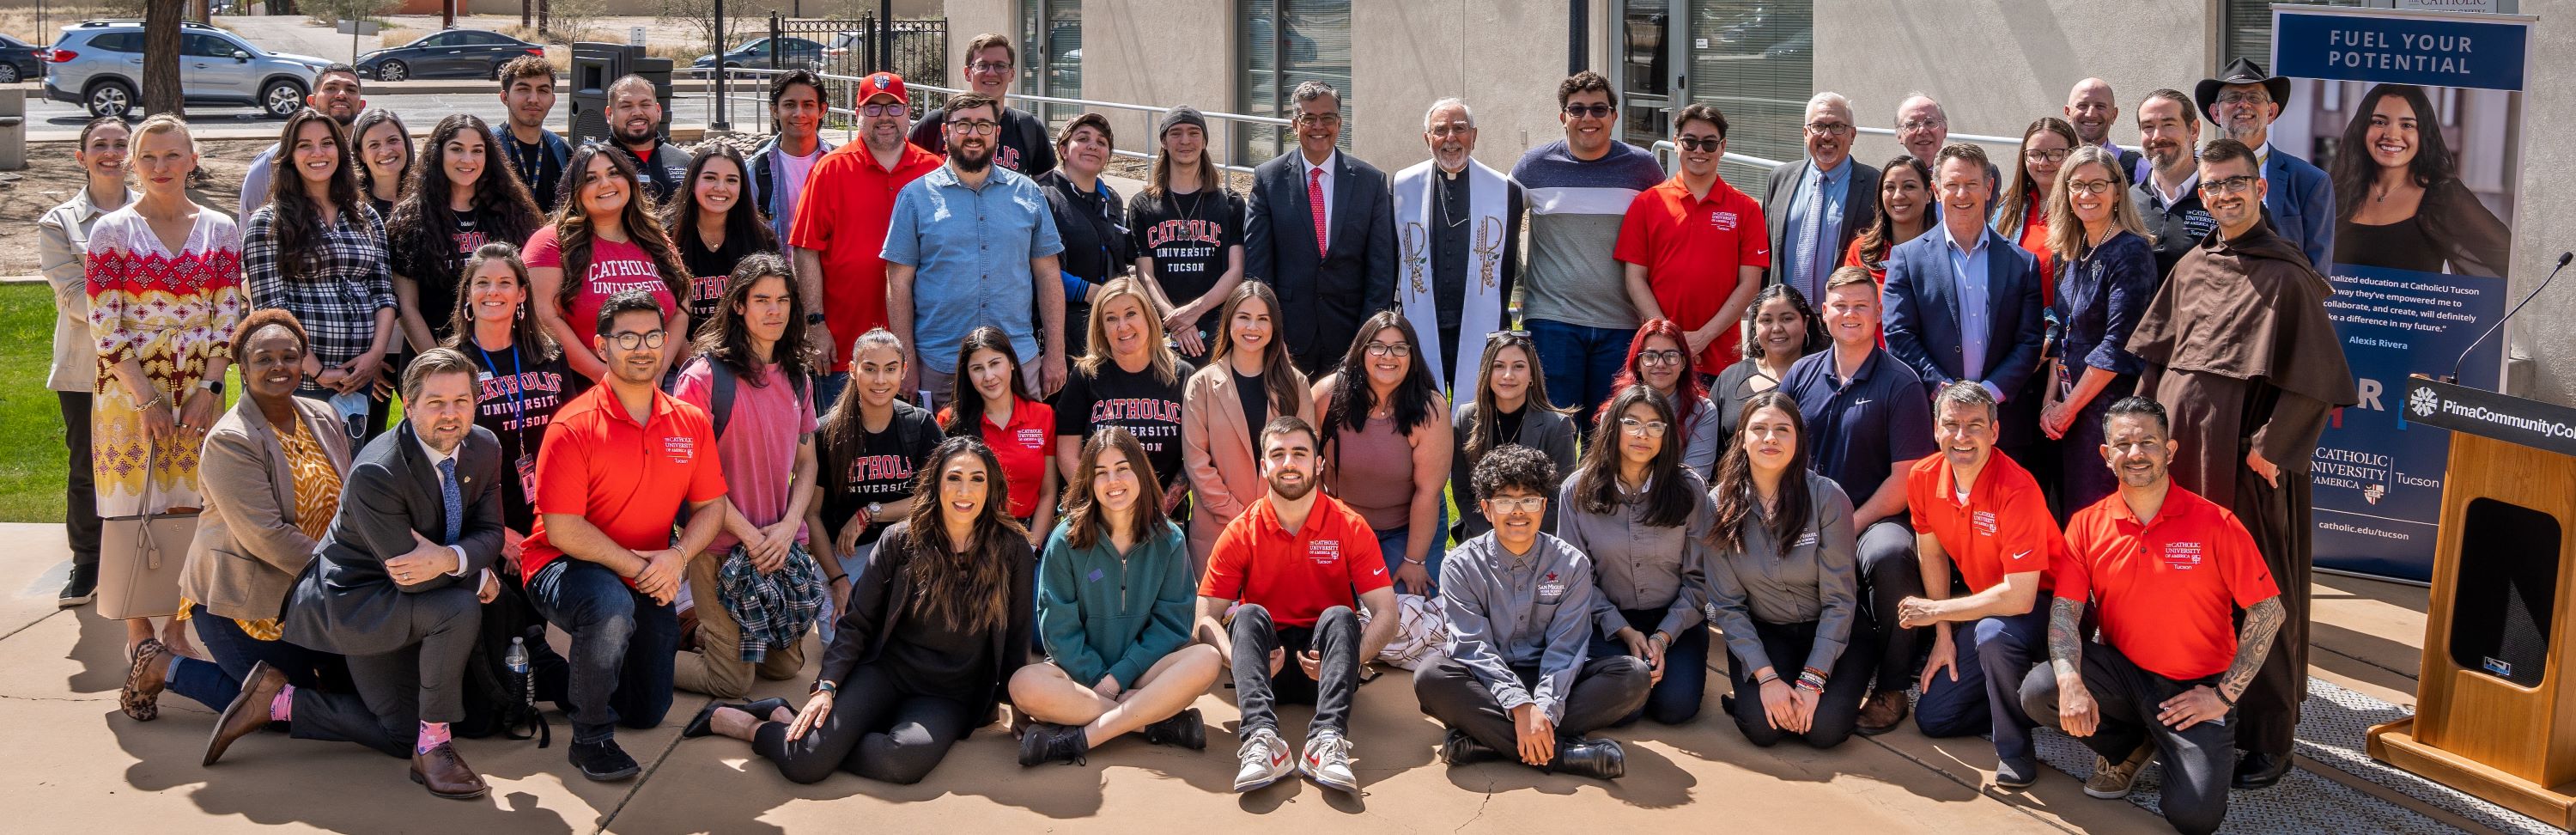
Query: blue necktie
column 454, row 498
column 1811, row 234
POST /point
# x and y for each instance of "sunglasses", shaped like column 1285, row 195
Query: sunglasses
column 1596, row 111
column 1688, row 143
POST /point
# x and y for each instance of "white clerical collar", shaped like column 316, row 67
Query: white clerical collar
column 2263, row 154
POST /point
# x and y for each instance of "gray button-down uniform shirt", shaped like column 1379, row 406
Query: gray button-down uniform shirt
column 1808, row 579
column 1640, row 566
column 1510, row 610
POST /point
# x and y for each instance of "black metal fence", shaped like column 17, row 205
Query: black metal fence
column 915, row 49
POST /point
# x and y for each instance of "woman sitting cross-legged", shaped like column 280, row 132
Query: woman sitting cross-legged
column 937, row 621
column 1114, row 606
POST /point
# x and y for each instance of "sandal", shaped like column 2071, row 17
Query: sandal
column 138, row 701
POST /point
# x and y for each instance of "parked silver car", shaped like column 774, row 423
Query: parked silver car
column 98, row 64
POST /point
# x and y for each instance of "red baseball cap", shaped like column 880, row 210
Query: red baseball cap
column 883, row 82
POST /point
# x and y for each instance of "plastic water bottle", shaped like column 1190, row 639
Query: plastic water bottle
column 517, row 660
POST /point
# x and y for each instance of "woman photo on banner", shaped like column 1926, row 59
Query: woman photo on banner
column 2399, row 202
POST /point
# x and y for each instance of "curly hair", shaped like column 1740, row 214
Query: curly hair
column 1514, row 466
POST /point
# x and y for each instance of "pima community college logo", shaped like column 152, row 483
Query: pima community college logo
column 2424, row 402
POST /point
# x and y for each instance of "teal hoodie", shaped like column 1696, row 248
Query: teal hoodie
column 1102, row 615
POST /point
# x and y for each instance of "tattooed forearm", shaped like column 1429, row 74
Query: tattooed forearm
column 2253, row 641
column 2065, row 637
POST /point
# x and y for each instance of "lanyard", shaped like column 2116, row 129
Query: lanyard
column 518, row 393
column 529, row 164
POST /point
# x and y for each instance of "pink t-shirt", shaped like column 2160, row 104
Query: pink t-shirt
column 614, row 268
column 758, row 446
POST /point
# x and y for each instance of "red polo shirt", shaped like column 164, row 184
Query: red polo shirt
column 1692, row 250
column 1330, row 561
column 1025, row 446
column 848, row 202
column 629, row 479
column 2004, row 528
column 2167, row 588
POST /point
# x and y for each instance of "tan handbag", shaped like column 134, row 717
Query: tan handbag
column 139, row 559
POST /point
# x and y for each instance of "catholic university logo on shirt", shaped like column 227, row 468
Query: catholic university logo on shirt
column 1984, row 520
column 1723, row 220
column 2182, row 556
column 1032, row 437
column 1324, row 551
column 681, row 448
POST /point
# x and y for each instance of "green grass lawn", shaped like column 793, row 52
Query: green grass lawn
column 31, row 420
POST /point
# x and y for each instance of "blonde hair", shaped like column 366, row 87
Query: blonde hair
column 165, row 123
column 1096, row 354
column 2066, row 234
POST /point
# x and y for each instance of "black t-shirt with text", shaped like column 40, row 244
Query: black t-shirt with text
column 437, row 281
column 1187, row 235
column 1147, row 408
column 874, row 467
column 517, row 397
column 708, row 272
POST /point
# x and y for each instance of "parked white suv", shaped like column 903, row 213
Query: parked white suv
column 98, row 64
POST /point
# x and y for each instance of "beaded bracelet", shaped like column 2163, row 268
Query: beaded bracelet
column 1811, row 680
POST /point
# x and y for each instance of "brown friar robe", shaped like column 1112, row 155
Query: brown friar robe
column 2239, row 349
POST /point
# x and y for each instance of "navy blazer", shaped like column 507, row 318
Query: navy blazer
column 2301, row 199
column 1323, row 298
column 345, row 602
column 1922, row 301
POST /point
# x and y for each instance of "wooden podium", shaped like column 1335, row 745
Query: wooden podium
column 2495, row 712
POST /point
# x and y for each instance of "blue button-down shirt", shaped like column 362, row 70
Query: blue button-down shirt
column 1968, row 268
column 1796, row 264
column 970, row 249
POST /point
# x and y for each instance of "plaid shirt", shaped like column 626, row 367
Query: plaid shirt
column 773, row 609
column 338, row 301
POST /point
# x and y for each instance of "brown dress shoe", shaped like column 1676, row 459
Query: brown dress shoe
column 145, row 676
column 1882, row 712
column 248, row 712
column 445, row 774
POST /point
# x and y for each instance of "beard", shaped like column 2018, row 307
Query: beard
column 624, row 138
column 970, row 161
column 1291, row 492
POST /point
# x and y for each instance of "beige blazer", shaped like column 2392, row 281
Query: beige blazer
column 248, row 549
column 1217, row 452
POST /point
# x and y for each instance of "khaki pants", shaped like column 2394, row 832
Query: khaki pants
column 717, row 668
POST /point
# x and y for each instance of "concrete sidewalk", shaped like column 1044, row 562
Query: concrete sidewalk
column 70, row 761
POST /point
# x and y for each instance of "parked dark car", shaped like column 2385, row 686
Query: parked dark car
column 455, row 53
column 793, row 54
column 20, row 60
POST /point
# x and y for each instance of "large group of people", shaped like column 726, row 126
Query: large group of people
column 1996, row 443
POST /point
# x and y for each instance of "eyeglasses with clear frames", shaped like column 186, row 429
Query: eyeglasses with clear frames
column 1521, row 504
column 1828, row 128
column 1648, row 428
column 887, row 109
column 989, row 66
column 2238, row 184
column 630, row 340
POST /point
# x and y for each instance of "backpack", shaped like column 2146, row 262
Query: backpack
column 498, row 701
column 720, row 401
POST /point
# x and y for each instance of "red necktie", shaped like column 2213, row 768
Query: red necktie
column 1315, row 200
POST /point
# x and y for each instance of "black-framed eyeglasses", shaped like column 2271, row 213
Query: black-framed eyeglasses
column 1666, row 356
column 976, row 127
column 1692, row 143
column 889, row 109
column 2089, row 186
column 1397, row 350
column 1596, row 111
column 2047, row 154
column 630, row 340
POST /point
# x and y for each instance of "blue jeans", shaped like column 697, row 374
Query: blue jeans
column 827, row 391
column 1675, row 699
column 1994, row 655
column 622, row 646
column 1579, row 362
column 215, row 684
column 1390, row 544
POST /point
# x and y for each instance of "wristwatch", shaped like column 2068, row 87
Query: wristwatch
column 212, row 385
column 813, row 319
column 873, row 507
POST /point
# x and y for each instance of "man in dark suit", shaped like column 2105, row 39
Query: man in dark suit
column 1816, row 206
column 2242, row 102
column 1963, row 302
column 397, row 585
column 1321, row 231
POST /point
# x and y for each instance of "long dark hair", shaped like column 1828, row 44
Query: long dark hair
column 842, row 422
column 531, row 339
column 965, row 404
column 572, row 224
column 729, row 342
column 1880, row 237
column 742, row 222
column 1739, row 503
column 423, row 230
column 367, row 121
column 1352, row 397
column 1669, row 497
column 1688, row 391
column 1481, row 434
column 1280, row 376
column 971, row 590
column 2024, row 192
column 293, row 219
column 1816, row 339
column 1084, row 522
column 2353, row 167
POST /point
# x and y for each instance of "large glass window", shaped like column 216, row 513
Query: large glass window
column 1754, row 60
column 2247, row 31
column 1051, row 54
column 1285, row 43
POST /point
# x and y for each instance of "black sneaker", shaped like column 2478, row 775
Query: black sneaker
column 1046, row 742
column 81, row 588
column 1186, row 729
column 1460, row 749
column 603, row 761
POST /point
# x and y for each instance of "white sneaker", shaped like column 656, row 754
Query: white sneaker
column 1265, row 759
column 1328, row 762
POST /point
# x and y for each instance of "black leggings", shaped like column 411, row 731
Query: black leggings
column 875, row 730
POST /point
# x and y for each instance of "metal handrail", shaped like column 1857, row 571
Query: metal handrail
column 1231, row 119
column 1956, row 137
